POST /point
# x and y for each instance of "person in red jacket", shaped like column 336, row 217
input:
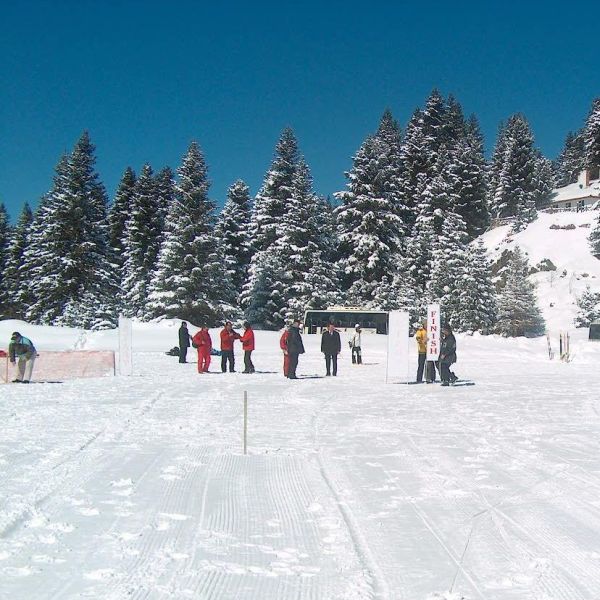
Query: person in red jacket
column 228, row 336
column 247, row 340
column 283, row 345
column 203, row 343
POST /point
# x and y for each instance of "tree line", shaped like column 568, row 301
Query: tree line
column 400, row 235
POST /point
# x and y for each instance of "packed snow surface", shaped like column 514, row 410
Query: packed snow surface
column 137, row 487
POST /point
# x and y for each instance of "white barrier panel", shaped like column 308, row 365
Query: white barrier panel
column 70, row 364
column 125, row 347
column 397, row 354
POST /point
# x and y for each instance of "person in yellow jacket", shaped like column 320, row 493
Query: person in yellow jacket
column 421, row 337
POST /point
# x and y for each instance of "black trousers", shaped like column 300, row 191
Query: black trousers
column 421, row 367
column 331, row 359
column 248, row 366
column 293, row 365
column 183, row 354
column 356, row 356
column 445, row 372
column 227, row 355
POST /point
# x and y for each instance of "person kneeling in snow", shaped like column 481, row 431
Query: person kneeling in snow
column 22, row 348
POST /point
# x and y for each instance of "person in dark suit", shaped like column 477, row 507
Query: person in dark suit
column 184, row 342
column 331, row 346
column 295, row 348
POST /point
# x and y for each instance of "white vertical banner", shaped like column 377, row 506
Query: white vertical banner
column 125, row 347
column 397, row 350
column 434, row 331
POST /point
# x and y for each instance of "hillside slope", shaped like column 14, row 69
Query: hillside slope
column 567, row 249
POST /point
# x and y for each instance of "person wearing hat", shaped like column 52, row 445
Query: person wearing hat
column 247, row 340
column 447, row 356
column 23, row 350
column 354, row 344
column 295, row 347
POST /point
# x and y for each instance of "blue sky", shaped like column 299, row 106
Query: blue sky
column 145, row 78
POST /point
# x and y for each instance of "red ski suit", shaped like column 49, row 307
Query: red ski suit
column 247, row 340
column 283, row 345
column 204, row 345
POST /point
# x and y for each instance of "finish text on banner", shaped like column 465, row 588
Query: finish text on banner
column 434, row 330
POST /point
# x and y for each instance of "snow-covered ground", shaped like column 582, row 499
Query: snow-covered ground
column 352, row 489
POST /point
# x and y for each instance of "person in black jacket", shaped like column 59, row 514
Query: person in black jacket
column 184, row 342
column 331, row 345
column 447, row 355
column 295, row 347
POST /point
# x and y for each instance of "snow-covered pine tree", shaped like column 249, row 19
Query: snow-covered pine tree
column 543, row 181
column 165, row 191
column 588, row 305
column 369, row 227
column 233, row 234
column 68, row 256
column 468, row 171
column 185, row 282
column 476, row 309
column 5, row 240
column 14, row 273
column 141, row 243
column 592, row 136
column 307, row 280
column 518, row 312
column 118, row 214
column 594, row 238
column 571, row 160
column 448, row 266
column 269, row 213
column 514, row 164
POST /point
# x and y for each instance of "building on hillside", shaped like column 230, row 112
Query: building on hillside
column 582, row 195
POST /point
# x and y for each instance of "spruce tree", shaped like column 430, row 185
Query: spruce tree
column 514, row 168
column 518, row 312
column 588, row 305
column 543, row 181
column 141, row 242
column 68, row 257
column 592, row 137
column 233, row 234
column 369, row 227
column 118, row 215
column 269, row 213
column 594, row 238
column 15, row 276
column 185, row 282
column 476, row 308
column 571, row 160
column 5, row 240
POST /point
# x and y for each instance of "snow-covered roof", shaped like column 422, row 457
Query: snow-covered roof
column 576, row 191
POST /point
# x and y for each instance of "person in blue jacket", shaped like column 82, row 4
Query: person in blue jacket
column 22, row 350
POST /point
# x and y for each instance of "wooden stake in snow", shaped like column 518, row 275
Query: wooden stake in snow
column 245, row 420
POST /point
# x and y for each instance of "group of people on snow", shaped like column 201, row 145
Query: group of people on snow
column 447, row 356
column 292, row 347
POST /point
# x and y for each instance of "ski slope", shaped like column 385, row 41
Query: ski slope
column 351, row 489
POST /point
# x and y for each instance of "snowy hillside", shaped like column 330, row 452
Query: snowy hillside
column 566, row 248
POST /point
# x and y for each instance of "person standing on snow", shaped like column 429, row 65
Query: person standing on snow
column 283, row 345
column 295, row 348
column 447, row 355
column 228, row 336
column 354, row 344
column 421, row 337
column 247, row 340
column 184, row 342
column 203, row 342
column 331, row 346
column 23, row 350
